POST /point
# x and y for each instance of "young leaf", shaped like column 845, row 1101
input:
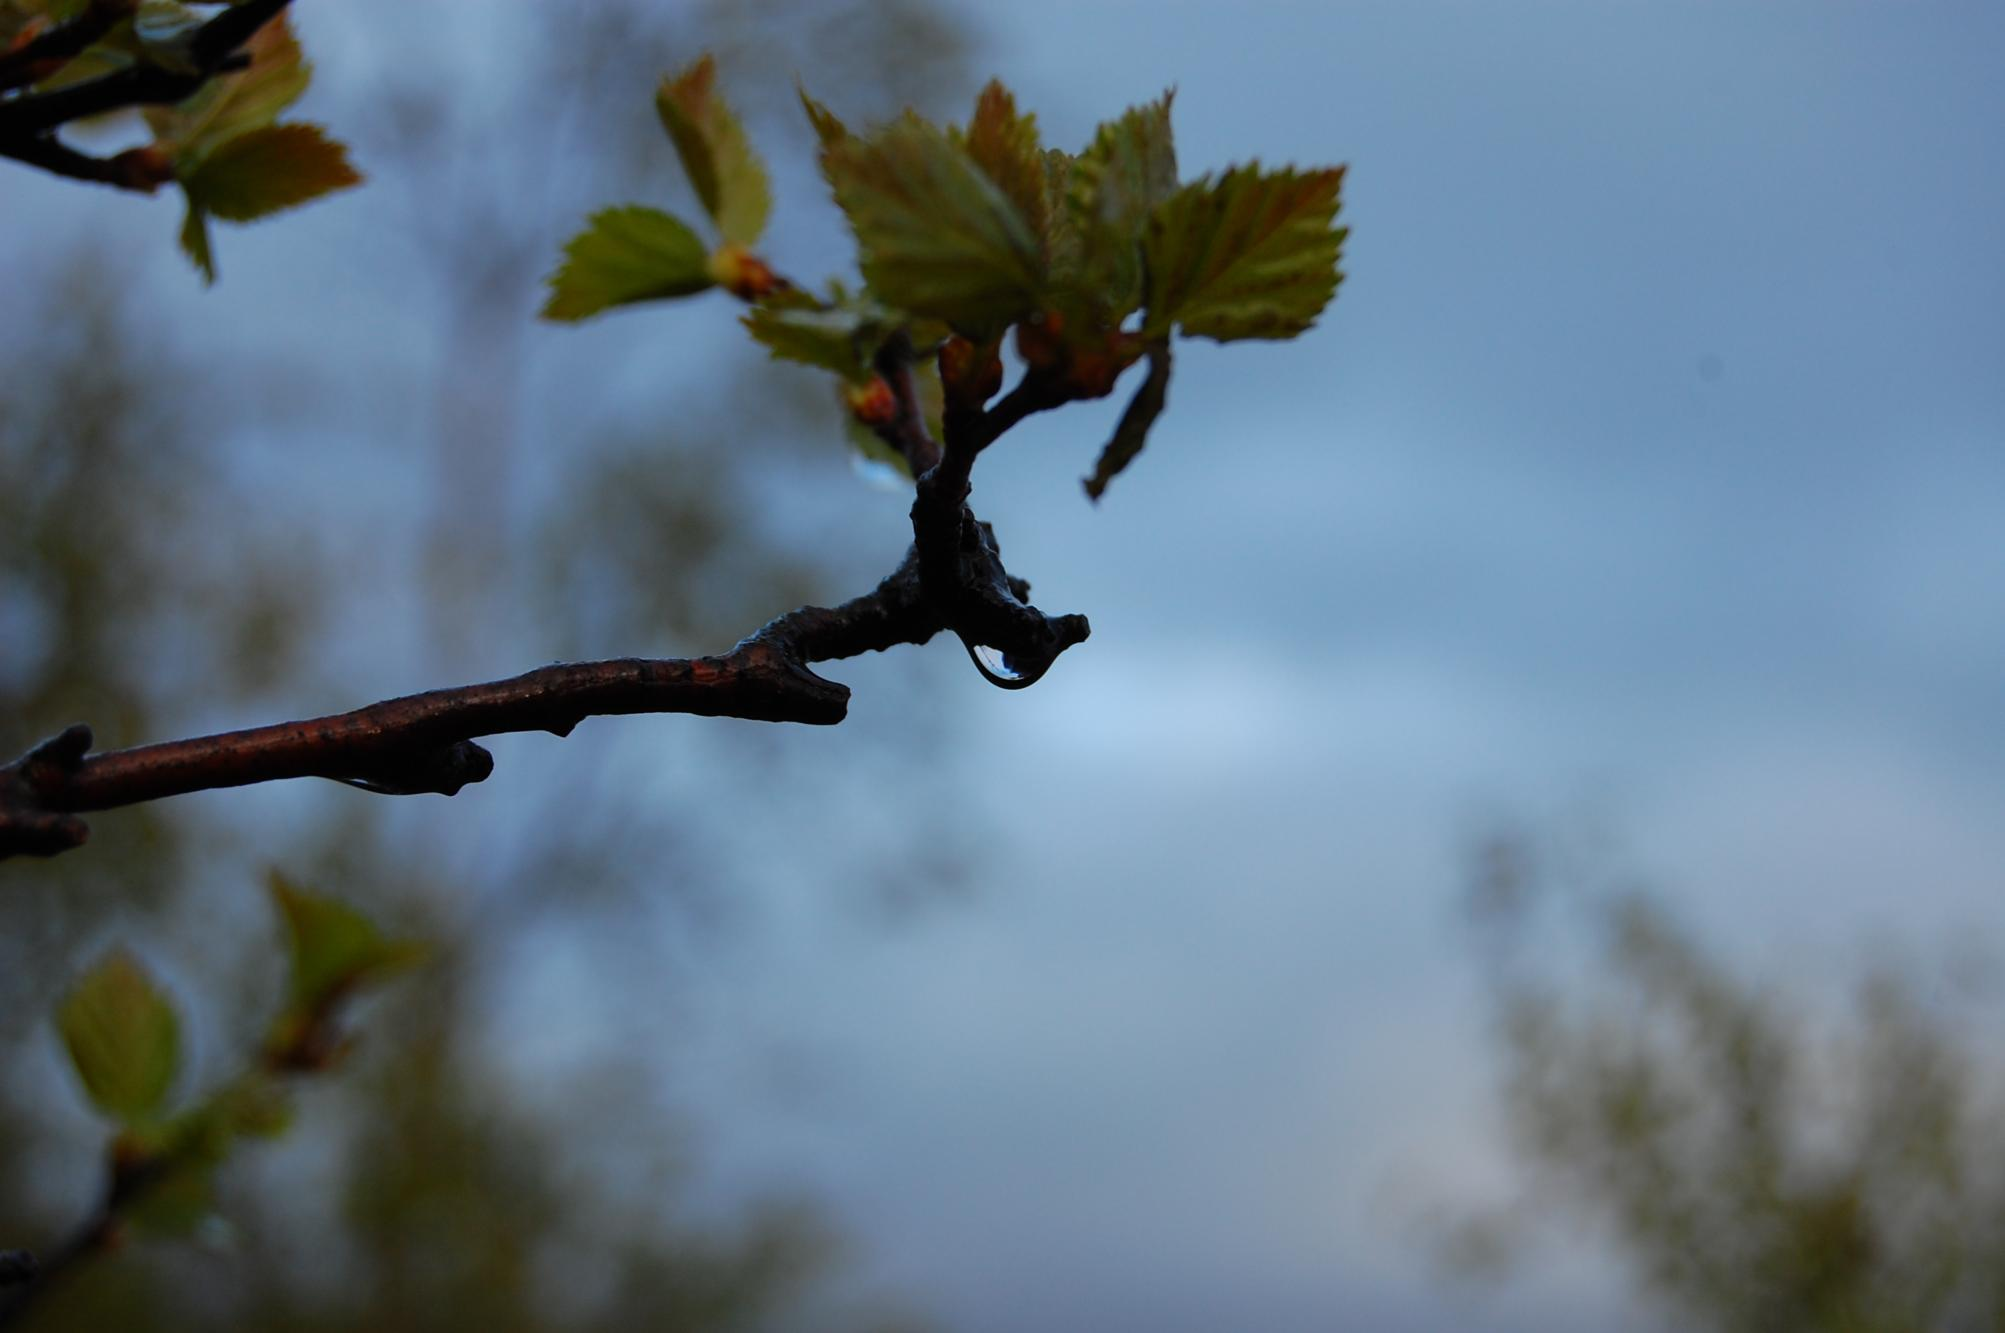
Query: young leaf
column 937, row 236
column 195, row 240
column 235, row 103
column 841, row 338
column 122, row 1037
column 1063, row 252
column 626, row 255
column 1133, row 431
column 265, row 170
column 334, row 948
column 230, row 157
column 1252, row 256
column 1128, row 169
column 1004, row 145
column 727, row 174
column 827, row 128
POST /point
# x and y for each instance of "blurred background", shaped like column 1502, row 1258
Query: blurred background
column 1521, row 850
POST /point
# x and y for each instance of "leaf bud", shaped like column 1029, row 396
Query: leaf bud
column 872, row 402
column 742, row 273
column 1040, row 340
column 971, row 374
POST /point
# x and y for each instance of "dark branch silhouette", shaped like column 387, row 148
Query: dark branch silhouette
column 952, row 579
column 29, row 120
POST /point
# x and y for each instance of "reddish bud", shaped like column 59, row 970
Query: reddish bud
column 872, row 401
column 129, row 1153
column 1093, row 370
column 971, row 374
column 145, row 169
column 1039, row 340
column 34, row 27
column 743, row 274
column 1093, row 373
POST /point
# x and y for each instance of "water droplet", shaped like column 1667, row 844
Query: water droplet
column 1001, row 669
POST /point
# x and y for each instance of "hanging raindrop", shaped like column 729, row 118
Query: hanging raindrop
column 1002, row 669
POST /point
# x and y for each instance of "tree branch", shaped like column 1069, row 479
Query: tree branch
column 134, row 1168
column 33, row 1276
column 55, row 47
column 906, row 432
column 425, row 742
column 138, row 169
column 28, row 122
column 952, row 578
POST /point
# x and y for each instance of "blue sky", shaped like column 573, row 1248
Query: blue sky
column 1651, row 462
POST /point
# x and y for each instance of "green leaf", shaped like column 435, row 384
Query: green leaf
column 1133, row 431
column 334, row 948
column 727, row 174
column 937, row 236
column 122, row 1037
column 1252, row 256
column 841, row 338
column 1063, row 248
column 266, row 170
column 1004, row 145
column 230, row 157
column 195, row 240
column 235, row 103
column 827, row 128
column 1128, row 169
column 626, row 255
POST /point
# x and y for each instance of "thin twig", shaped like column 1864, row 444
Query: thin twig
column 28, row 122
column 952, row 578
column 134, row 169
column 907, row 431
column 55, row 47
column 424, row 742
column 1038, row 391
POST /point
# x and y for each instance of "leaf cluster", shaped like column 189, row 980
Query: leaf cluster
column 225, row 146
column 1096, row 259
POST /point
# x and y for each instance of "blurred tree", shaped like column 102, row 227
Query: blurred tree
column 450, row 1208
column 137, row 588
column 1755, row 1170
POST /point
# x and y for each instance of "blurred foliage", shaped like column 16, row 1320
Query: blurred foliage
column 147, row 588
column 1755, row 1169
column 629, row 518
column 126, row 594
column 448, row 1211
